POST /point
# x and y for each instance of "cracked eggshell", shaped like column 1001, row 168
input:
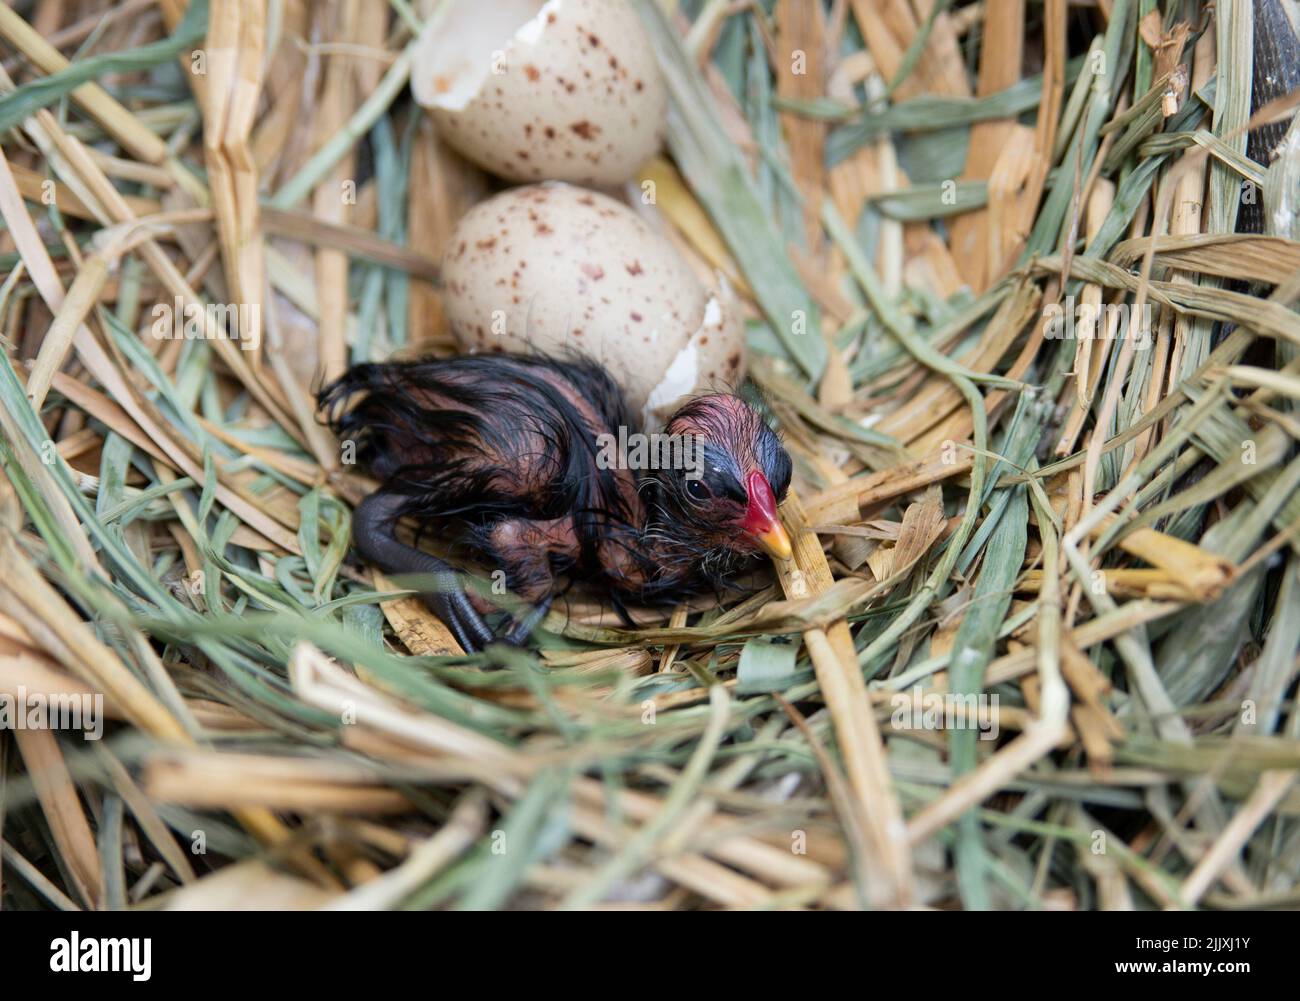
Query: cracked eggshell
column 554, row 269
column 565, row 90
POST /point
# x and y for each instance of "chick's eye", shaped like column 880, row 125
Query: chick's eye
column 697, row 490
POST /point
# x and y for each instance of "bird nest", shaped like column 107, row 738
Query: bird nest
column 1019, row 285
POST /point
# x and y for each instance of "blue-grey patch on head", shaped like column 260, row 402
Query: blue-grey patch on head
column 774, row 460
column 722, row 473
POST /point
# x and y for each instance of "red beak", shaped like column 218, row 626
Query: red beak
column 762, row 523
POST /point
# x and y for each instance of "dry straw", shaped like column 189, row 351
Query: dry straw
column 1096, row 524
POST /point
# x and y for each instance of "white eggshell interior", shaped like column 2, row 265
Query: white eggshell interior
column 457, row 51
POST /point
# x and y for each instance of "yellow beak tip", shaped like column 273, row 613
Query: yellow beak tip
column 776, row 543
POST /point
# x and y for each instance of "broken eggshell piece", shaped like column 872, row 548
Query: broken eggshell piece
column 556, row 269
column 565, row 90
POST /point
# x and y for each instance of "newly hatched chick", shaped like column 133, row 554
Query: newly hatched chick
column 508, row 456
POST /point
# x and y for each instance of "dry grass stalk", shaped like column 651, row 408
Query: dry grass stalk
column 134, row 467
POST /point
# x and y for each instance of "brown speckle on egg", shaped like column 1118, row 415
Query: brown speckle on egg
column 646, row 317
column 522, row 92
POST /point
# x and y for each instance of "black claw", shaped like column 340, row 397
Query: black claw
column 523, row 628
column 462, row 618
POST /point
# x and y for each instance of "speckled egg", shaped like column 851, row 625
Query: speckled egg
column 554, row 268
column 565, row 90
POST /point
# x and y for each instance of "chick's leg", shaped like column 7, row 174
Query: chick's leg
column 525, row 551
column 374, row 524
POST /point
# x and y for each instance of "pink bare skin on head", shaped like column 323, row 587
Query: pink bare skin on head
column 741, row 436
column 722, row 418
